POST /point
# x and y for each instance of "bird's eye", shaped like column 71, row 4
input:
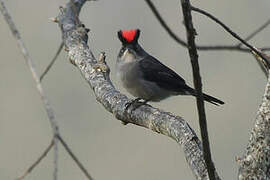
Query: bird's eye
column 122, row 51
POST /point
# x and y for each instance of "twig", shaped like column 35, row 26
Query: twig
column 191, row 32
column 35, row 76
column 164, row 24
column 43, row 155
column 199, row 47
column 74, row 9
column 262, row 27
column 261, row 62
column 175, row 127
column 52, row 62
column 74, row 157
column 229, row 30
column 45, row 100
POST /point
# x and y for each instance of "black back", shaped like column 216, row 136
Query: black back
column 155, row 71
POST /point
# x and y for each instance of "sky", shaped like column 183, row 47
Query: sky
column 108, row 149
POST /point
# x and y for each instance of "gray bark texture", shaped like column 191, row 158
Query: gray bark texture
column 96, row 73
column 255, row 164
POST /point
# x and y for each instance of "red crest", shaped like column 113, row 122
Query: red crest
column 129, row 35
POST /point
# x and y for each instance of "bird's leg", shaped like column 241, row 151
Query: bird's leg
column 132, row 102
column 145, row 102
column 135, row 103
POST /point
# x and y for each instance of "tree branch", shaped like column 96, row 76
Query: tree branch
column 164, row 24
column 261, row 62
column 52, row 62
column 75, row 40
column 48, row 108
column 230, row 31
column 262, row 27
column 72, row 155
column 43, row 155
column 199, row 47
column 255, row 163
column 191, row 32
column 35, row 76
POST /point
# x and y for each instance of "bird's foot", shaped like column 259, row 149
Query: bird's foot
column 135, row 103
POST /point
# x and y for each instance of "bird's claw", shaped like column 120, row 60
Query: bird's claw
column 135, row 103
column 132, row 102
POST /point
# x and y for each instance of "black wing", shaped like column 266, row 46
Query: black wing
column 155, row 71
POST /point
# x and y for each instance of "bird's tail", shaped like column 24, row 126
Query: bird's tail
column 206, row 97
column 212, row 100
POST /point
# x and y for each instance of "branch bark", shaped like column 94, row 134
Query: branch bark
column 75, row 40
column 255, row 163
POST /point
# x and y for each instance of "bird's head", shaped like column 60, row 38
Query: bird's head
column 131, row 50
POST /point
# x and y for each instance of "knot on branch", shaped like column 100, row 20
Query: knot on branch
column 101, row 65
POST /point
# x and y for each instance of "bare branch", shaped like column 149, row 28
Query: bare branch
column 44, row 99
column 75, row 40
column 52, row 62
column 191, row 32
column 74, row 158
column 199, row 47
column 262, row 27
column 263, row 65
column 43, row 155
column 255, row 163
column 229, row 30
column 164, row 24
column 35, row 76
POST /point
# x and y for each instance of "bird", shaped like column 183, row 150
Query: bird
column 145, row 77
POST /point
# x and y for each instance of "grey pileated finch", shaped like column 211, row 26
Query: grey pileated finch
column 145, row 77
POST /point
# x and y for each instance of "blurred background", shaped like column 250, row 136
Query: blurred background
column 108, row 149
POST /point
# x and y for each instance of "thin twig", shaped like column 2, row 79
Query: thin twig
column 52, row 62
column 35, row 76
column 191, row 32
column 262, row 63
column 229, row 31
column 62, row 44
column 199, row 47
column 164, row 24
column 45, row 100
column 43, row 155
column 74, row 157
column 262, row 27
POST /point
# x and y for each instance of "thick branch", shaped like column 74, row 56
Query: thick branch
column 255, row 163
column 75, row 40
column 191, row 32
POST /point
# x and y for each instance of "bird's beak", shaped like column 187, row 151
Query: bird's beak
column 127, row 52
column 128, row 55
